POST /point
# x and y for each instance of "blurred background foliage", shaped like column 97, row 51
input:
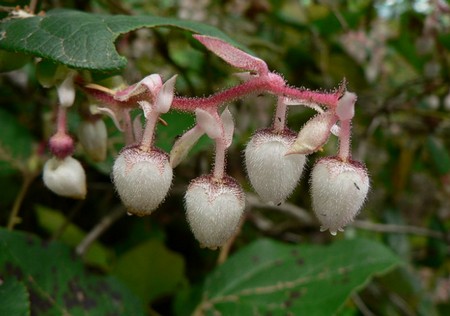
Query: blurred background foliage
column 395, row 54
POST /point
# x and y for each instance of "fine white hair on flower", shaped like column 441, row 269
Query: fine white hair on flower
column 214, row 209
column 338, row 190
column 142, row 179
column 272, row 173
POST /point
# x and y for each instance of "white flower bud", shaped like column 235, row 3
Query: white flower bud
column 142, row 179
column 66, row 90
column 93, row 137
column 314, row 134
column 338, row 190
column 65, row 177
column 272, row 174
column 214, row 209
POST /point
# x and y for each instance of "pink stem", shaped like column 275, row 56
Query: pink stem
column 149, row 131
column 270, row 84
column 344, row 140
column 190, row 104
column 328, row 99
column 219, row 159
column 279, row 122
column 61, row 120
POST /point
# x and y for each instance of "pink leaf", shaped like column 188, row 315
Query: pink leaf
column 233, row 55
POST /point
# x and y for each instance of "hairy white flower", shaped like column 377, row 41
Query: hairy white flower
column 214, row 209
column 272, row 173
column 142, row 179
column 338, row 190
column 65, row 177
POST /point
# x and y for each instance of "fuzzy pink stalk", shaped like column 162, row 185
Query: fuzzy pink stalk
column 271, row 84
column 61, row 120
column 256, row 85
column 219, row 159
column 328, row 99
column 279, row 122
column 149, row 131
column 61, row 145
column 344, row 140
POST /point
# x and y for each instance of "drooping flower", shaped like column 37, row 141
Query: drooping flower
column 272, row 173
column 65, row 177
column 142, row 174
column 338, row 190
column 214, row 209
column 142, row 179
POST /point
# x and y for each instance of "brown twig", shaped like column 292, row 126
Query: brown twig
column 398, row 229
column 99, row 229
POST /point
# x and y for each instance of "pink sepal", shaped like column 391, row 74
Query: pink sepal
column 209, row 123
column 345, row 109
column 314, row 134
column 165, row 95
column 184, row 144
column 228, row 127
column 150, row 84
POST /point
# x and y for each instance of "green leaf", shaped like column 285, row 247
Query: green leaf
column 14, row 298
column 271, row 277
column 12, row 61
column 52, row 221
column 57, row 282
column 151, row 270
column 84, row 40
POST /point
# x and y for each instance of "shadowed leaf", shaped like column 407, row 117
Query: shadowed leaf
column 57, row 282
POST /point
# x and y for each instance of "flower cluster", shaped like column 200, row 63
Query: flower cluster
column 215, row 203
